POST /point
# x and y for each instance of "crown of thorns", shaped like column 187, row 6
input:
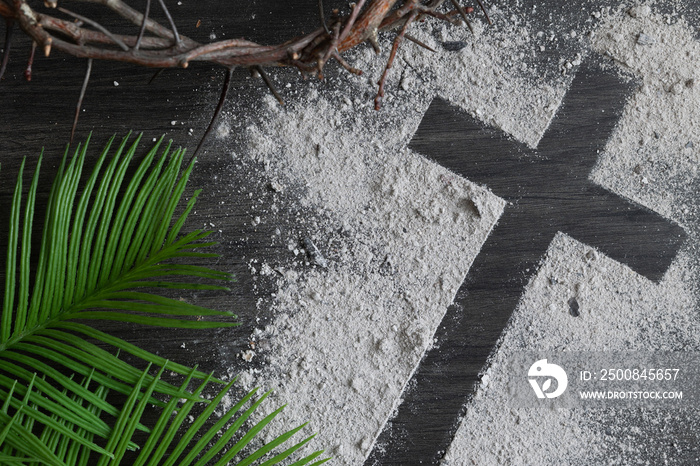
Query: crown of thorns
column 158, row 46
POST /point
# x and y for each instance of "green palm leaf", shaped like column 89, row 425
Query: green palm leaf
column 107, row 244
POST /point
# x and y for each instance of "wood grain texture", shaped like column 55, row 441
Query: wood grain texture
column 548, row 191
column 39, row 114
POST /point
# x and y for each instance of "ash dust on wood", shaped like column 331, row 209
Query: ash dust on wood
column 398, row 233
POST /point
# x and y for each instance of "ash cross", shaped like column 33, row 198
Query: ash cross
column 548, row 190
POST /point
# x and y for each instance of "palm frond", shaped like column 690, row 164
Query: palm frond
column 107, row 244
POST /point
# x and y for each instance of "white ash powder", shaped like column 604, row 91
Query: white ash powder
column 398, row 232
column 347, row 338
column 648, row 159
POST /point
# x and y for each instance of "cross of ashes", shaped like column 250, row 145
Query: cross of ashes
column 548, row 190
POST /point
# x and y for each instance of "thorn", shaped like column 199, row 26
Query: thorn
column 378, row 101
column 143, row 25
column 269, row 84
column 217, row 111
column 9, row 29
column 374, row 42
column 422, row 44
column 484, row 10
column 463, row 14
column 346, row 65
column 323, row 18
column 47, row 47
column 30, row 62
column 80, row 99
column 350, row 22
column 447, row 17
column 155, row 75
column 395, row 47
column 178, row 41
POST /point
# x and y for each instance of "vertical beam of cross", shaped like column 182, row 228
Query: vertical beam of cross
column 548, row 190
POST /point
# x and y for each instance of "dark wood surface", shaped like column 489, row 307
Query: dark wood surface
column 548, row 191
column 39, row 114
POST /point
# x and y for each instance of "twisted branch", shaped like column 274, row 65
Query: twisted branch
column 158, row 46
